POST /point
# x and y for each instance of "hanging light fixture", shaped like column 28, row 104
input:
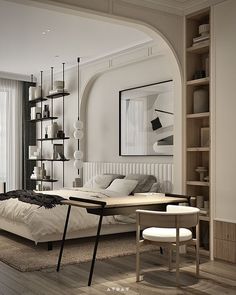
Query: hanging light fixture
column 78, row 133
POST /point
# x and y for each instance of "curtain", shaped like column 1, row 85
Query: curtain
column 11, row 133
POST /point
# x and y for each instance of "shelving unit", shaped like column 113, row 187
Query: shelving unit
column 51, row 118
column 197, row 154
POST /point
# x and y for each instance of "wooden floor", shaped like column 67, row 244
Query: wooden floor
column 117, row 276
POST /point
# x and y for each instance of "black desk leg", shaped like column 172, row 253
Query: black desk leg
column 95, row 248
column 63, row 239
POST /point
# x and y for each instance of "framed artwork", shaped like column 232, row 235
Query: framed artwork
column 58, row 152
column 146, row 120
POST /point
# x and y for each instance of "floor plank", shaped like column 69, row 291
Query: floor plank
column 117, row 276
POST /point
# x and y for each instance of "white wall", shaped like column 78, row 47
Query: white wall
column 224, row 21
column 102, row 116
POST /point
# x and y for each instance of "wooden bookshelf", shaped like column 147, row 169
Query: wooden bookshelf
column 197, row 154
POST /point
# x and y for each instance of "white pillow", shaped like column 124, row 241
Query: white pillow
column 122, row 186
column 99, row 182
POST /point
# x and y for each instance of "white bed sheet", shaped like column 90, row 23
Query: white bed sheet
column 45, row 222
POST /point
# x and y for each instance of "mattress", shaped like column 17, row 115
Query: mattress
column 42, row 225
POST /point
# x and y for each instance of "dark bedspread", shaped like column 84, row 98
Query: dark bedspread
column 31, row 197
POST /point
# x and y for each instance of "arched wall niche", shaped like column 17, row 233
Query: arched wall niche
column 155, row 23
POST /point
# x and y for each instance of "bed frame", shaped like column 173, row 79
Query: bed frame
column 163, row 173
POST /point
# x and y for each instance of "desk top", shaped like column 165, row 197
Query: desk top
column 127, row 201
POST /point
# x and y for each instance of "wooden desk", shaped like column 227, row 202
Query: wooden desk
column 114, row 206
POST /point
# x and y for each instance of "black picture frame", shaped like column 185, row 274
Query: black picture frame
column 165, row 145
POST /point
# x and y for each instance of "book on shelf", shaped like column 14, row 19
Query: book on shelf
column 205, row 42
column 199, row 39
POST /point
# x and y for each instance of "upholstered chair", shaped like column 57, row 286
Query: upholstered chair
column 168, row 229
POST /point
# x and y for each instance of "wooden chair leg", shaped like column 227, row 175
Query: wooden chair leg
column 137, row 262
column 197, row 250
column 170, row 259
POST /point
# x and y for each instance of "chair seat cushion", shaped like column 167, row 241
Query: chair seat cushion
column 167, row 235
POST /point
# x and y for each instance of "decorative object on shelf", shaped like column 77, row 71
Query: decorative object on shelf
column 199, row 74
column 34, row 111
column 200, row 100
column 39, row 187
column 38, row 92
column 60, row 134
column 46, row 132
column 52, row 130
column 206, row 178
column 43, row 172
column 58, row 152
column 204, row 30
column 34, row 152
column 206, row 205
column 77, row 182
column 193, row 202
column 46, row 112
column 38, row 116
column 207, row 69
column 205, row 136
column 200, row 201
column 58, row 85
column 32, row 92
column 201, row 170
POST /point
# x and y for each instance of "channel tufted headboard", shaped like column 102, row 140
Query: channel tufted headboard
column 163, row 172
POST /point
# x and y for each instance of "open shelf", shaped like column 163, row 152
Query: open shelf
column 52, row 138
column 57, row 95
column 50, row 160
column 198, row 82
column 44, row 119
column 40, row 99
column 198, row 115
column 198, row 183
column 198, row 149
column 44, row 180
column 202, row 47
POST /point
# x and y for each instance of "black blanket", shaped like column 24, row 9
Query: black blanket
column 31, row 197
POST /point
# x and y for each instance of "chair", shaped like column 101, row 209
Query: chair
column 171, row 230
column 2, row 187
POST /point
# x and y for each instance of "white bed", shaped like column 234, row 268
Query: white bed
column 46, row 225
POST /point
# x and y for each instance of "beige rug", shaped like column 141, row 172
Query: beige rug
column 23, row 255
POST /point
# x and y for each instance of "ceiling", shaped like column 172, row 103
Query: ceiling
column 34, row 39
column 179, row 7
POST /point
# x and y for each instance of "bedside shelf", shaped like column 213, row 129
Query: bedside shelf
column 198, row 183
column 44, row 180
column 198, row 149
column 52, row 138
column 202, row 47
column 43, row 119
column 198, row 115
column 34, row 101
column 50, row 160
column 57, row 95
column 196, row 82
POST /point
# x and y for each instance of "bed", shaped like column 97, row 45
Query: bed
column 46, row 225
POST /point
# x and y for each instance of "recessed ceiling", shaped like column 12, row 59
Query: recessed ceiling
column 34, row 39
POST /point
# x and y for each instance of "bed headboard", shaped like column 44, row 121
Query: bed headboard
column 163, row 172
